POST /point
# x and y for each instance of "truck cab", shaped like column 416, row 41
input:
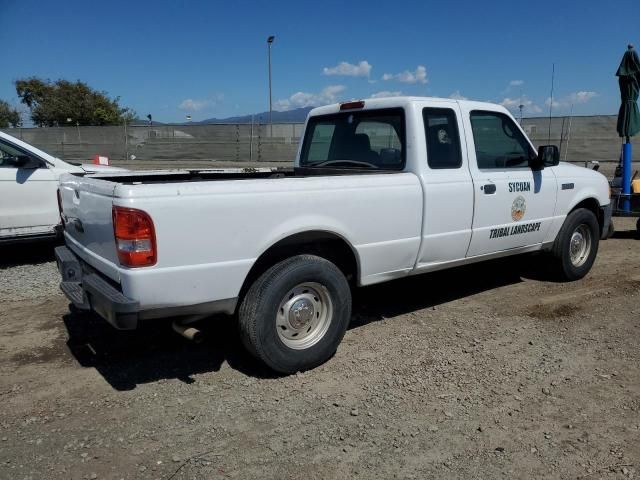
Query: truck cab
column 486, row 190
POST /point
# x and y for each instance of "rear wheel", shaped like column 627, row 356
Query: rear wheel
column 294, row 315
column 576, row 245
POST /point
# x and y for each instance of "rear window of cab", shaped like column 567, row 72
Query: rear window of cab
column 364, row 139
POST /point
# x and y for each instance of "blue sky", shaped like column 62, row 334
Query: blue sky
column 209, row 58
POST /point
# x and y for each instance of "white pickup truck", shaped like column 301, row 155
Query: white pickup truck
column 381, row 189
column 28, row 186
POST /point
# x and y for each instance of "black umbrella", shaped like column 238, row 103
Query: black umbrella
column 628, row 116
column 629, row 80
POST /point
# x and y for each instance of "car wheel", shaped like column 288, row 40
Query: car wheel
column 576, row 245
column 294, row 316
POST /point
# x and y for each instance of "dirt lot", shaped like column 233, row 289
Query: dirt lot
column 489, row 371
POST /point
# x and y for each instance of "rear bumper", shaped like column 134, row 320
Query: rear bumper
column 88, row 290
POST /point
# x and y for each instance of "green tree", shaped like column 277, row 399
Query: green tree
column 53, row 103
column 9, row 116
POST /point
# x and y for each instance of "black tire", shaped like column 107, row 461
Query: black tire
column 580, row 222
column 638, row 227
column 261, row 308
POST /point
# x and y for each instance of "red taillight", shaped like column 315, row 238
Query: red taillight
column 352, row 105
column 135, row 237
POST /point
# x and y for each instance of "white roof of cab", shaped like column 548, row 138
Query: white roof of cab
column 394, row 102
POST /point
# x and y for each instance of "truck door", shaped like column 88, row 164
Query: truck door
column 448, row 189
column 513, row 204
column 28, row 203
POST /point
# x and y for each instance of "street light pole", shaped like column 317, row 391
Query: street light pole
column 150, row 123
column 270, row 40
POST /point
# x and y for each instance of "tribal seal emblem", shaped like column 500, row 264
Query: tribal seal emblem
column 518, row 207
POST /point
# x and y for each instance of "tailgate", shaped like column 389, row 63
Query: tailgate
column 88, row 228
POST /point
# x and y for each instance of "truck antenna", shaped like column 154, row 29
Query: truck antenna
column 566, row 147
column 553, row 71
column 561, row 135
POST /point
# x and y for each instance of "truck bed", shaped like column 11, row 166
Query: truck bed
column 205, row 175
column 211, row 232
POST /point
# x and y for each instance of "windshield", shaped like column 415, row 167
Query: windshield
column 372, row 139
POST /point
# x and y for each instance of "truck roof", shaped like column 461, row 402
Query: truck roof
column 391, row 102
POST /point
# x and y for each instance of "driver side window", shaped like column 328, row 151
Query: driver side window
column 498, row 141
column 14, row 157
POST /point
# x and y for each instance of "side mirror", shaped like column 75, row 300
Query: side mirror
column 548, row 156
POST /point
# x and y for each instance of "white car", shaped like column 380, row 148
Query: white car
column 28, row 186
column 381, row 189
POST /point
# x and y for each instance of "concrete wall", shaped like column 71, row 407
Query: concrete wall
column 227, row 143
column 589, row 138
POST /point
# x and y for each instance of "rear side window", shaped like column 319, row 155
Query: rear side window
column 499, row 142
column 321, row 141
column 366, row 139
column 443, row 139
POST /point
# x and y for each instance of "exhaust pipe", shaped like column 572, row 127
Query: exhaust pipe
column 188, row 332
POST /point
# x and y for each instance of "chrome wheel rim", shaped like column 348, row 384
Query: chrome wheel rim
column 580, row 245
column 304, row 315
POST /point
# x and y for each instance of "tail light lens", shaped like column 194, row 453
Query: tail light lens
column 352, row 105
column 135, row 237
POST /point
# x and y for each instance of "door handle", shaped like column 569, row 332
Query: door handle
column 489, row 188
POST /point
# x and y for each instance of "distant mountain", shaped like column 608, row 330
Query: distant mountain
column 298, row 115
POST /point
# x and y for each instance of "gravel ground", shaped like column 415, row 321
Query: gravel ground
column 30, row 281
column 486, row 371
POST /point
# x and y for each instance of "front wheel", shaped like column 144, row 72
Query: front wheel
column 295, row 314
column 576, row 245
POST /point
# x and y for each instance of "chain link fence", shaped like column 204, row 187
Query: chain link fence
column 580, row 139
column 159, row 143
